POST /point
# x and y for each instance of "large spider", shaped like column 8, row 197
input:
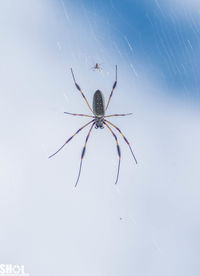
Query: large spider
column 98, row 121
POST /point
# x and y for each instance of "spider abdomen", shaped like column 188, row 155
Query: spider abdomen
column 98, row 104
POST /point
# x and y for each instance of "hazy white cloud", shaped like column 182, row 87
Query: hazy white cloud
column 181, row 6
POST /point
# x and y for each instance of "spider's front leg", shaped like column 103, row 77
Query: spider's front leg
column 114, row 85
column 78, row 87
column 83, row 153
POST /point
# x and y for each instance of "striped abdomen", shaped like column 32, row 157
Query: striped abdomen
column 98, row 104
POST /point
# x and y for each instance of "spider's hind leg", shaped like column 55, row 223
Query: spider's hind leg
column 71, row 138
column 83, row 153
column 125, row 139
column 118, row 150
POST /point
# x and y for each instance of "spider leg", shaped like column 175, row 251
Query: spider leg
column 78, row 87
column 114, row 85
column 113, row 115
column 71, row 138
column 124, row 139
column 118, row 151
column 83, row 153
column 79, row 114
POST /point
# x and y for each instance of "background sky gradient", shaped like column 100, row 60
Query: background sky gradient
column 147, row 224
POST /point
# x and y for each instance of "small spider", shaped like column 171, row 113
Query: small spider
column 97, row 67
column 98, row 121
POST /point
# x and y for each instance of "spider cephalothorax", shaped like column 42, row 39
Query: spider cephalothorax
column 98, row 120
